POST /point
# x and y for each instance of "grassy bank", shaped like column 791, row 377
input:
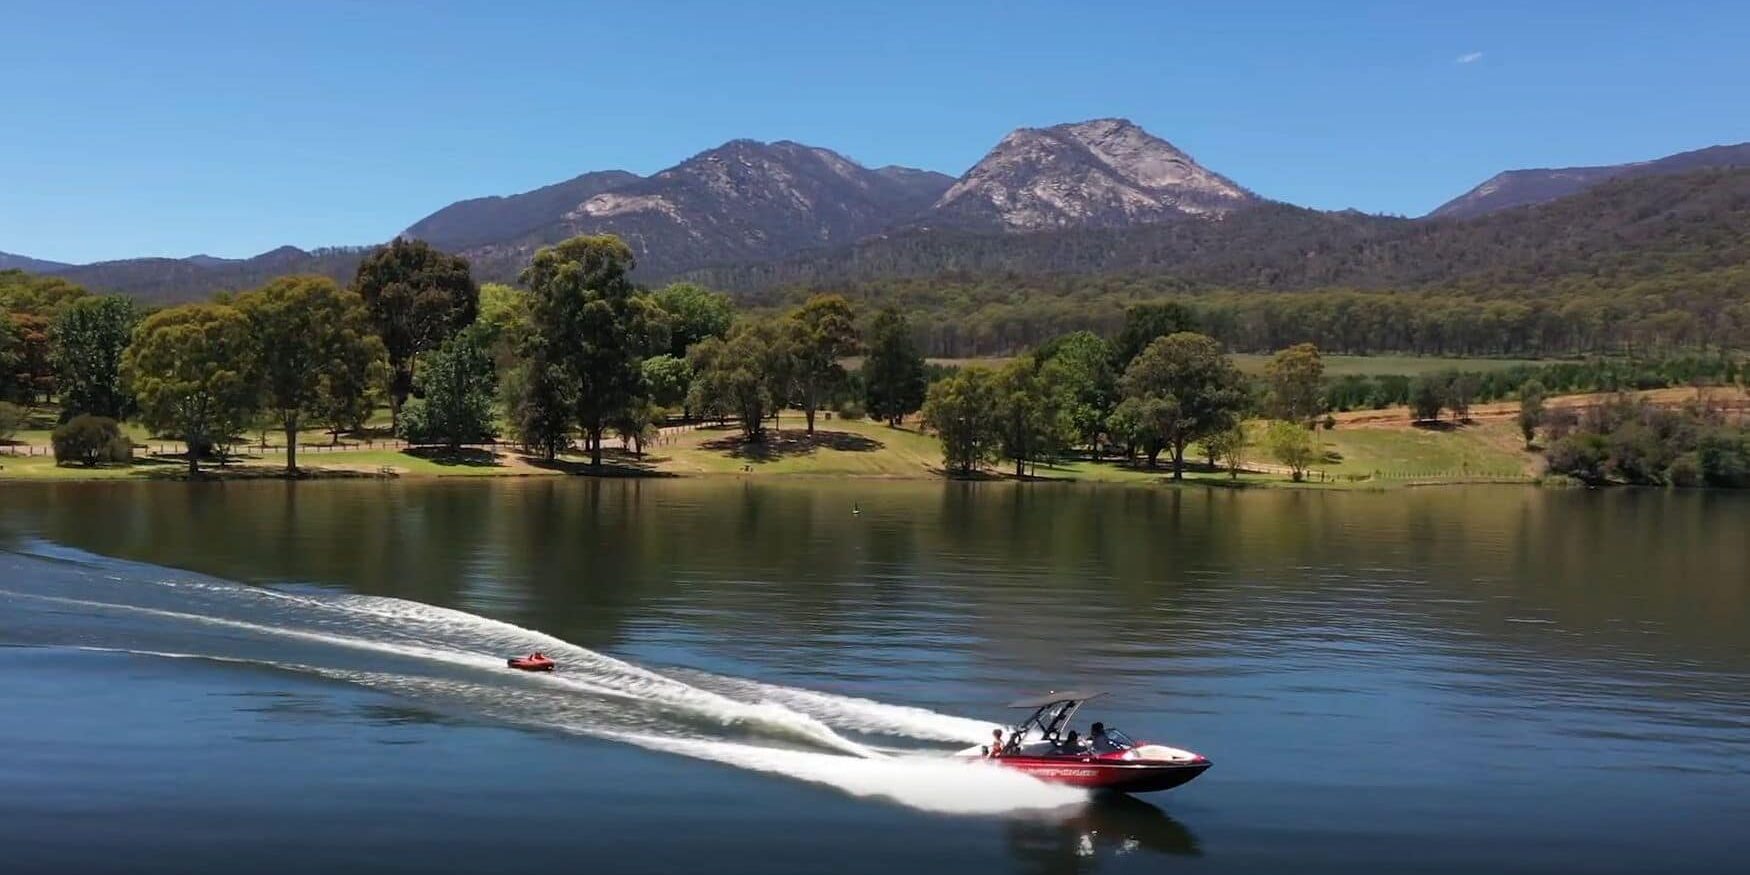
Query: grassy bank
column 1366, row 449
column 1354, row 457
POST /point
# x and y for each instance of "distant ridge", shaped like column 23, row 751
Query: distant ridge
column 1518, row 188
column 8, row 261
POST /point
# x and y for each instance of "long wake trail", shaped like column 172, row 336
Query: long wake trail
column 454, row 659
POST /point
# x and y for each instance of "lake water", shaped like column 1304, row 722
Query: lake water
column 269, row 677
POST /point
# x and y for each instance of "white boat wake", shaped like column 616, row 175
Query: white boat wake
column 454, row 660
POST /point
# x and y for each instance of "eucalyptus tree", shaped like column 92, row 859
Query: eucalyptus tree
column 315, row 349
column 195, row 372
column 418, row 297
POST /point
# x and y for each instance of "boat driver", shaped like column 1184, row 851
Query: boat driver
column 1099, row 741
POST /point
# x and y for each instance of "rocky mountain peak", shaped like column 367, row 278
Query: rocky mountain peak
column 1098, row 173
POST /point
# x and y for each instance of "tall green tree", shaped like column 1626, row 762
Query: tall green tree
column 86, row 340
column 1145, row 323
column 458, row 392
column 694, row 313
column 1079, row 367
column 540, row 400
column 1296, row 377
column 418, row 297
column 195, row 371
column 315, row 343
column 585, row 310
column 34, row 368
column 12, row 382
column 667, row 379
column 822, row 331
column 1029, row 416
column 1147, row 423
column 1531, row 396
column 1189, row 371
column 747, row 375
column 893, row 372
column 962, row 410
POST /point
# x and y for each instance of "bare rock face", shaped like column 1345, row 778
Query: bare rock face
column 1518, row 188
column 1095, row 174
column 742, row 201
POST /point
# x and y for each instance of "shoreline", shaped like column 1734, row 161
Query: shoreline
column 523, row 468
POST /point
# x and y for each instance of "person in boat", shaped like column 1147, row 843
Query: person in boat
column 1098, row 740
column 996, row 745
column 1071, row 744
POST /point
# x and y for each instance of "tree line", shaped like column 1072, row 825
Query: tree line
column 1675, row 308
column 1156, row 389
column 578, row 352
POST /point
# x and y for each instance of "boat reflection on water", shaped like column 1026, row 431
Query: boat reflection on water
column 1077, row 840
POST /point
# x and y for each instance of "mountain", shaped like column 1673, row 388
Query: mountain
column 175, row 280
column 1517, row 188
column 1104, row 173
column 1094, row 197
column 8, row 261
column 742, row 201
column 1615, row 231
column 486, row 220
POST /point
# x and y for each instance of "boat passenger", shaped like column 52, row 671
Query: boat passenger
column 996, row 746
column 1071, row 745
column 1098, row 740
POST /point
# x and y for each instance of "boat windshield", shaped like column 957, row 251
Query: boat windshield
column 1113, row 740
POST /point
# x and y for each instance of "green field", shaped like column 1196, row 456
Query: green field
column 1473, row 451
column 1376, row 365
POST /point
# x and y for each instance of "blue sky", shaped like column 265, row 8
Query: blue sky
column 229, row 128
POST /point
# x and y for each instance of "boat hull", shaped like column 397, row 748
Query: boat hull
column 1109, row 776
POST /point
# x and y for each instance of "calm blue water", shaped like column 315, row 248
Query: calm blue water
column 305, row 677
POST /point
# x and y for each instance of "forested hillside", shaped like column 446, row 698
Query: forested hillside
column 1622, row 227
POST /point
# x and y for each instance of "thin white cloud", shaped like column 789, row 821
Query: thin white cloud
column 1469, row 58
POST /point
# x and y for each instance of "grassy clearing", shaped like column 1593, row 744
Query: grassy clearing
column 839, row 447
column 1380, row 365
column 1452, row 452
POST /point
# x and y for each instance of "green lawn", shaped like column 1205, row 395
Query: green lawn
column 840, row 447
column 860, row 448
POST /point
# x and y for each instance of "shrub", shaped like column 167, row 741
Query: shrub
column 1685, row 470
column 1581, row 456
column 11, row 420
column 88, row 440
column 1292, row 445
column 1724, row 458
column 850, row 409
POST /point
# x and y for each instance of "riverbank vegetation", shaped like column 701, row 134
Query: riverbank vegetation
column 547, row 376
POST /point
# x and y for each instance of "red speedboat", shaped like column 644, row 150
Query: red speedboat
column 532, row 662
column 1045, row 747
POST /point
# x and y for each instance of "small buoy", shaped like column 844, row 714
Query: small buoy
column 855, row 510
